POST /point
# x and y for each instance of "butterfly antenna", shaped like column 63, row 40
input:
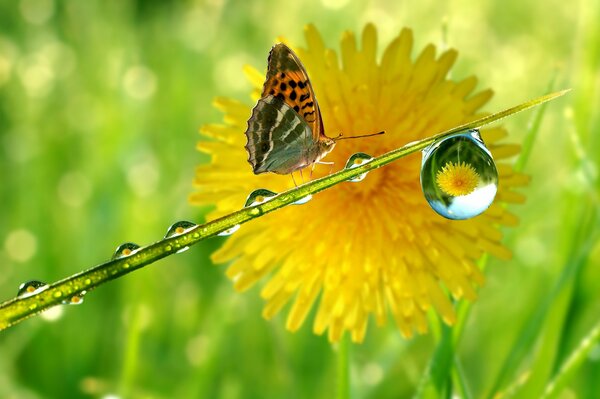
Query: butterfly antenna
column 357, row 137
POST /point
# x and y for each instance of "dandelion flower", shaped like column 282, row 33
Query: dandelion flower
column 457, row 179
column 359, row 251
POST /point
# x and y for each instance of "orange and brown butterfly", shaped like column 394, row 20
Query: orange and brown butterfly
column 285, row 131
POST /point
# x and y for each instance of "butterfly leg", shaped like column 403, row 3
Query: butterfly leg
column 294, row 179
column 327, row 163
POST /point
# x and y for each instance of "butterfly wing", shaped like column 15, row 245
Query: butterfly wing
column 279, row 140
column 287, row 79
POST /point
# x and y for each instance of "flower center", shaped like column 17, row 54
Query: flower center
column 457, row 179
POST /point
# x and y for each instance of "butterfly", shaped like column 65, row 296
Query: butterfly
column 285, row 131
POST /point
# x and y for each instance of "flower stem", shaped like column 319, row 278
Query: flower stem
column 21, row 307
column 343, row 368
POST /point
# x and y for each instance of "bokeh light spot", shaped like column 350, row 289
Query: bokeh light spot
column 36, row 12
column 74, row 189
column 139, row 82
column 20, row 245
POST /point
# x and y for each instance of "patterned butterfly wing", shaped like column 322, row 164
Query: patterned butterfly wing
column 278, row 139
column 285, row 132
column 287, row 79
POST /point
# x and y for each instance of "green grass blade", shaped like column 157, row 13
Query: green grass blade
column 576, row 257
column 532, row 131
column 460, row 381
column 436, row 379
column 572, row 364
column 343, row 368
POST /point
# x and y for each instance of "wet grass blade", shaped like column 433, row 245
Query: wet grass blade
column 533, row 129
column 572, row 364
column 586, row 221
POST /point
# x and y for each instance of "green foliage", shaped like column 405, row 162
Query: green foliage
column 100, row 103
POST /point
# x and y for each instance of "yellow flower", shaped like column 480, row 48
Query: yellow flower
column 360, row 250
column 457, row 179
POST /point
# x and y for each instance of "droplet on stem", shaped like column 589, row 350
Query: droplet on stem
column 179, row 228
column 76, row 299
column 229, row 231
column 30, row 288
column 356, row 160
column 459, row 176
column 125, row 249
column 259, row 196
column 303, row 200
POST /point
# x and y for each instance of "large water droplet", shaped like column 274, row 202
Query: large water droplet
column 259, row 196
column 458, row 176
column 179, row 228
column 229, row 231
column 356, row 160
column 125, row 249
column 30, row 288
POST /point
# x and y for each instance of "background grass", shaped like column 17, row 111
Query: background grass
column 100, row 103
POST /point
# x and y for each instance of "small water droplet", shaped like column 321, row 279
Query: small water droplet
column 303, row 200
column 356, row 160
column 259, row 196
column 30, row 288
column 182, row 249
column 76, row 299
column 459, row 176
column 179, row 228
column 125, row 249
column 230, row 231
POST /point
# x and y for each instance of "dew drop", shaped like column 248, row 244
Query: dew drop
column 459, row 176
column 182, row 249
column 230, row 231
column 303, row 200
column 125, row 250
column 30, row 288
column 356, row 160
column 259, row 196
column 179, row 228
column 76, row 299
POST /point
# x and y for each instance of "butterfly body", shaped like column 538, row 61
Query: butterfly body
column 285, row 131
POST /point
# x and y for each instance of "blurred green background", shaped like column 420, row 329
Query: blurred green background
column 100, row 103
